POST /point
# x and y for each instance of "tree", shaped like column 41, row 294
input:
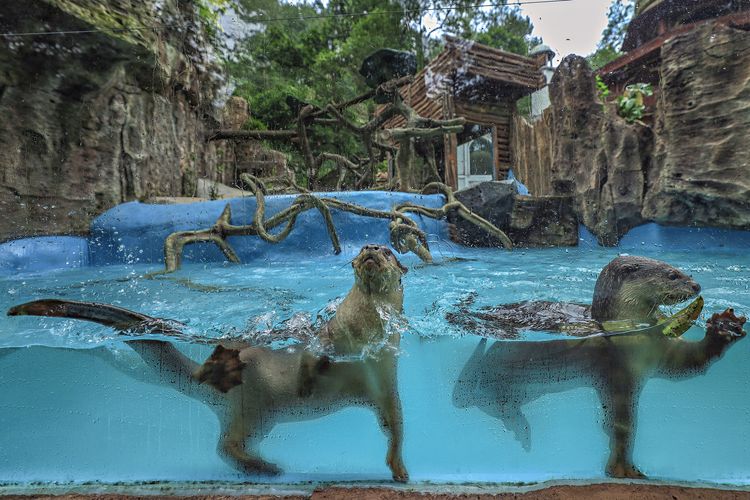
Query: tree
column 312, row 52
column 503, row 28
column 609, row 48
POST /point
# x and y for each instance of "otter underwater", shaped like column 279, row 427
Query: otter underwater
column 71, row 413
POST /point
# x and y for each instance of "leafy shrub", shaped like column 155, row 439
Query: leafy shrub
column 630, row 104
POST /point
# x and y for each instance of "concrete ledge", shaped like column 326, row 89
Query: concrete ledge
column 605, row 490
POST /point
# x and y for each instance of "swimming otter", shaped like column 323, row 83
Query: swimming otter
column 253, row 388
column 628, row 292
column 508, row 375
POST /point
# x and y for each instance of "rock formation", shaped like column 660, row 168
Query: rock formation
column 691, row 169
column 702, row 174
column 103, row 116
column 597, row 157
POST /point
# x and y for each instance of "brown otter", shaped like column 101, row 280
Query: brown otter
column 509, row 374
column 253, row 388
column 629, row 289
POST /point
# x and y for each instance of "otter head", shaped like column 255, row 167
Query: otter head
column 378, row 271
column 633, row 288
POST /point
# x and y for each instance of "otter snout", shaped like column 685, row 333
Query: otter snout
column 376, row 268
column 372, row 256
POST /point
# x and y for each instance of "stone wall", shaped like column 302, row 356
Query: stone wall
column 97, row 118
column 691, row 169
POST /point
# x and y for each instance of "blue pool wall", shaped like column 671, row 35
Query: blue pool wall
column 671, row 238
column 43, row 253
column 134, row 233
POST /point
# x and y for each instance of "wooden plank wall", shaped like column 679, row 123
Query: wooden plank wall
column 498, row 116
column 416, row 93
column 533, row 148
column 450, row 145
column 431, row 95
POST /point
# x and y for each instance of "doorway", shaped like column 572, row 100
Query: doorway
column 475, row 156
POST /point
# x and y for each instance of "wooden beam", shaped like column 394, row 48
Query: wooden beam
column 738, row 20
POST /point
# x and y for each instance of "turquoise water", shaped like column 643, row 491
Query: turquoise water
column 68, row 416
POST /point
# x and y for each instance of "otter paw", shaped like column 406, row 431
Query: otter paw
column 261, row 468
column 624, row 471
column 398, row 469
column 726, row 326
column 222, row 370
column 399, row 473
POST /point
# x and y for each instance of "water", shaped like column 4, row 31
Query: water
column 68, row 416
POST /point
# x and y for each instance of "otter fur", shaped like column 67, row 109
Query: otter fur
column 629, row 289
column 253, row 388
column 500, row 379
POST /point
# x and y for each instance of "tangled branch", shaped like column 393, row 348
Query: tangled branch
column 405, row 234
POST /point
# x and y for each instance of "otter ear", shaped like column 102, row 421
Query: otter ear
column 630, row 268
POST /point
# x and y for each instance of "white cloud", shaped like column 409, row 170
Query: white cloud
column 569, row 27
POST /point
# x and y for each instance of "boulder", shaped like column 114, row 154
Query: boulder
column 691, row 169
column 234, row 158
column 543, row 221
column 490, row 200
column 529, row 221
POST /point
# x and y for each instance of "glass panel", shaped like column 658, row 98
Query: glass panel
column 251, row 246
column 480, row 154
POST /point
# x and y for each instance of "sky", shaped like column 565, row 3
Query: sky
column 572, row 27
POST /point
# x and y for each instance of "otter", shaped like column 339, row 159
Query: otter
column 500, row 379
column 627, row 294
column 253, row 388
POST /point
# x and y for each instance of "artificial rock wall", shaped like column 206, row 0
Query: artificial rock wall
column 692, row 168
column 702, row 157
column 93, row 119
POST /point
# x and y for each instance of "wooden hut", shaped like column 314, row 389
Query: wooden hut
column 482, row 84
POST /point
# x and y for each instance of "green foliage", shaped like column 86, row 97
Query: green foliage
column 608, row 49
column 602, row 57
column 313, row 50
column 630, row 105
column 619, row 15
column 507, row 30
column 523, row 106
column 602, row 90
column 210, row 12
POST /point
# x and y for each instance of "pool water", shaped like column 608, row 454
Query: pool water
column 68, row 416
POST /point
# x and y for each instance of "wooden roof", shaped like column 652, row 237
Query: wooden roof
column 471, row 74
column 483, row 73
column 657, row 17
column 642, row 64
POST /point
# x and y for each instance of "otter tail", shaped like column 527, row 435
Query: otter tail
column 104, row 314
column 169, row 366
column 466, row 385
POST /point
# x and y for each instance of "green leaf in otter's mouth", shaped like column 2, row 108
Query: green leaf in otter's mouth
column 679, row 323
